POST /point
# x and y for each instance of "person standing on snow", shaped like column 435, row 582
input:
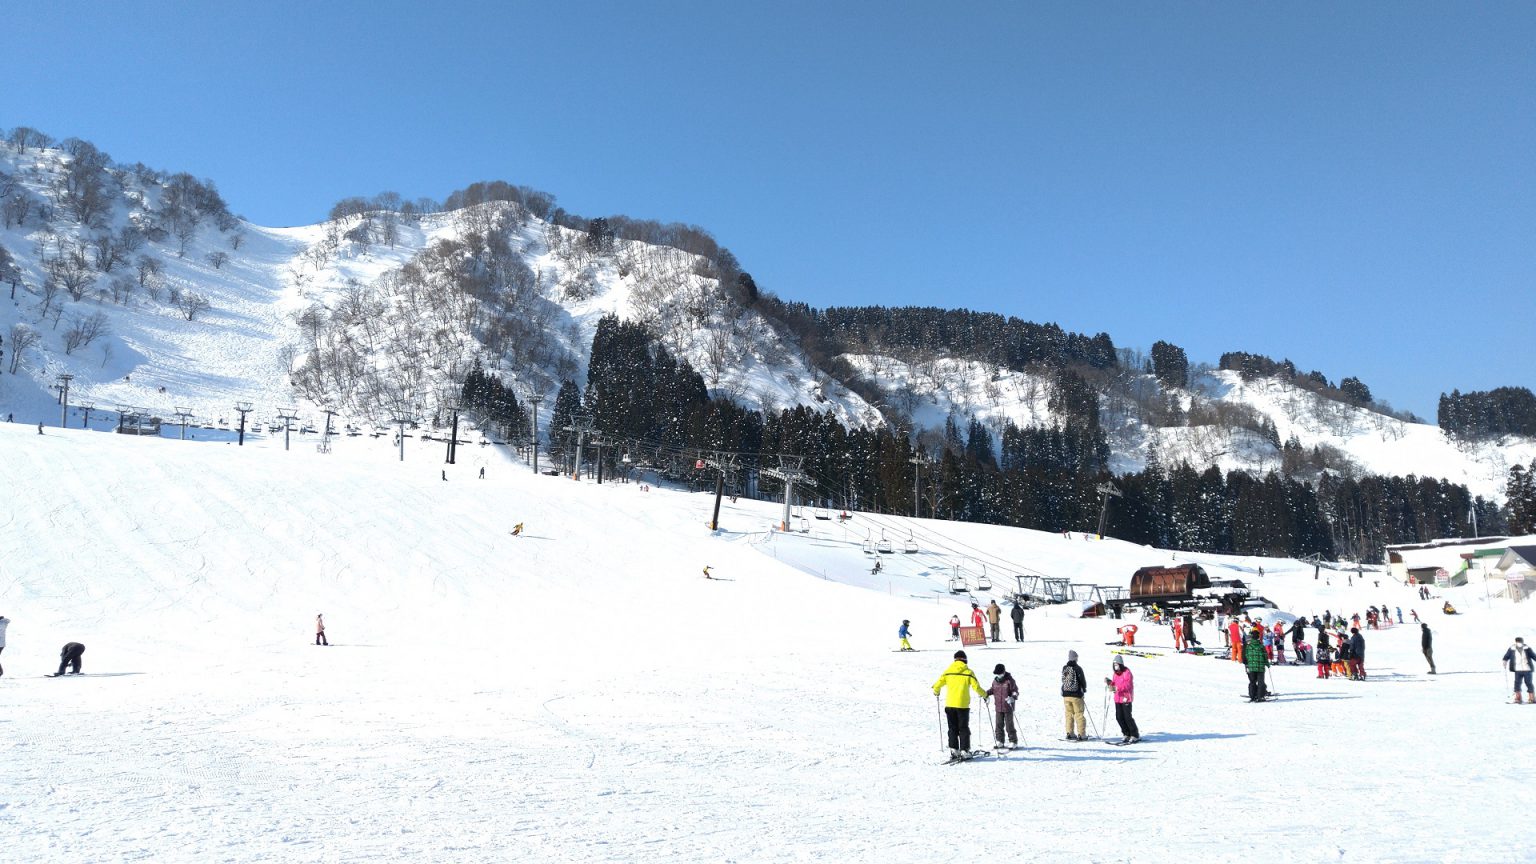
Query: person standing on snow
column 320, row 630
column 1429, row 653
column 978, row 620
column 1018, row 621
column 1235, row 639
column 994, row 619
column 1189, row 629
column 1178, row 633
column 1073, row 684
column 1125, row 692
column 960, row 681
column 4, row 623
column 1004, row 692
column 1356, row 654
column 954, row 627
column 905, row 633
column 1256, row 662
column 1520, row 660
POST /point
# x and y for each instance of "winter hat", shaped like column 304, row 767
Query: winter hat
column 999, row 670
column 959, row 655
column 1119, row 661
column 1071, row 656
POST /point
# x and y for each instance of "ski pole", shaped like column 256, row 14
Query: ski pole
column 988, row 708
column 939, row 706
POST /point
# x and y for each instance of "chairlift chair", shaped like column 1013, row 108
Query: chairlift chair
column 983, row 583
column 909, row 547
column 957, row 585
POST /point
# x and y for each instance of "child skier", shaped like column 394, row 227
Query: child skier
column 1005, row 692
column 954, row 627
column 904, row 633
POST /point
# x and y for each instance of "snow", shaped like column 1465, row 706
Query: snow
column 582, row 693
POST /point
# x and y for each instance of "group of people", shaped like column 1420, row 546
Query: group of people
column 958, row 682
column 990, row 619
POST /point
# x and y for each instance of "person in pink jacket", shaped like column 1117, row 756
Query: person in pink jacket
column 1125, row 692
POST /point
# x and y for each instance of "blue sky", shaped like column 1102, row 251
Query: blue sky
column 1352, row 186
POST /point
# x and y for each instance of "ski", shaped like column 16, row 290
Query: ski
column 974, row 755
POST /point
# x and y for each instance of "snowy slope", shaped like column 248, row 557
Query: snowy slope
column 247, row 345
column 581, row 693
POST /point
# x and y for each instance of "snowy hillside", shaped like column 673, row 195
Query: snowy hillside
column 371, row 313
column 581, row 693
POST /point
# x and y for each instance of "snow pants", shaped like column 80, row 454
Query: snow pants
column 1256, row 688
column 1322, row 669
column 70, row 657
column 1356, row 668
column 1523, row 676
column 995, row 636
column 1127, row 723
column 1076, row 725
column 320, row 638
column 905, row 645
column 1005, row 724
column 959, row 720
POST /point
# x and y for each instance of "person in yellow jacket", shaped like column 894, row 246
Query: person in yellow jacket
column 960, row 681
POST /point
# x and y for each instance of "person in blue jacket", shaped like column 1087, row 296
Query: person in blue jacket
column 905, row 632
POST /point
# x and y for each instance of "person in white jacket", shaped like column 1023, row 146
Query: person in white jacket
column 320, row 630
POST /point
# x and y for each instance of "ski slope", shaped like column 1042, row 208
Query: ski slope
column 582, row 693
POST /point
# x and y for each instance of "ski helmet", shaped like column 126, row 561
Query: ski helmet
column 998, row 669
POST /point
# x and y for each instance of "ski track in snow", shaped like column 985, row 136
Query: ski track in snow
column 583, row 694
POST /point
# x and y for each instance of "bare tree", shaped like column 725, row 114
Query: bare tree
column 23, row 137
column 17, row 208
column 217, row 259
column 149, row 270
column 121, row 288
column 192, row 303
column 85, row 331
column 185, row 230
column 9, row 271
column 236, row 239
column 22, row 338
column 71, row 268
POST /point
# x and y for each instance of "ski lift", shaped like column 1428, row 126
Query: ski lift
column 805, row 526
column 957, row 584
column 982, row 582
column 625, row 459
column 823, row 514
column 884, row 546
column 910, row 547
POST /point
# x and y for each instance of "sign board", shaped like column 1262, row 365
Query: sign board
column 973, row 636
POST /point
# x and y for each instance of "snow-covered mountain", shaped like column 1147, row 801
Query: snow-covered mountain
column 144, row 288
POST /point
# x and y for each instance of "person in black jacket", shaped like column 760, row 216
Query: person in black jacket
column 70, row 657
column 1322, row 634
column 1298, row 633
column 1073, row 684
column 1429, row 653
column 1018, row 621
column 1356, row 654
column 1189, row 629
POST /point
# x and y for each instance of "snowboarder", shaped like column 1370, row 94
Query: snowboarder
column 4, row 623
column 517, row 530
column 905, row 632
column 1004, row 692
column 320, row 630
column 1073, row 684
column 1125, row 691
column 954, row 627
column 706, row 572
column 1017, row 614
column 957, row 703
column 994, row 619
column 1256, row 662
column 1519, row 659
column 1426, row 640
column 70, row 657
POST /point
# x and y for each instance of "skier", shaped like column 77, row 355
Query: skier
column 905, row 633
column 1005, row 692
column 4, row 623
column 706, row 572
column 1324, row 656
column 1298, row 633
column 1127, row 634
column 1415, row 614
column 1256, row 662
column 70, row 657
column 1178, row 633
column 1017, row 614
column 1399, row 614
column 320, row 630
column 517, row 529
column 1235, row 639
column 978, row 620
column 482, row 472
column 1189, row 629
column 1426, row 640
column 957, row 704
column 994, row 618
column 1519, row 659
column 1073, row 684
column 1125, row 692
column 1356, row 654
column 954, row 627
column 445, row 473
